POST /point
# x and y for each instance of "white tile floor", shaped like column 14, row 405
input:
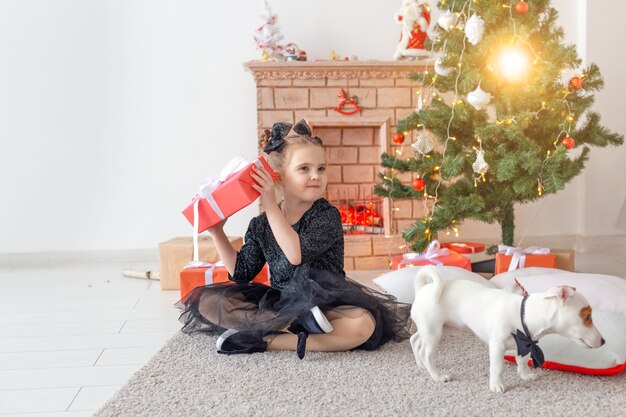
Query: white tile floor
column 70, row 336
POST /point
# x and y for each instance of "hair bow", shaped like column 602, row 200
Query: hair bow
column 277, row 137
column 303, row 129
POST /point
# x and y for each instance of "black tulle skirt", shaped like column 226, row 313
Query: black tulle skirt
column 267, row 311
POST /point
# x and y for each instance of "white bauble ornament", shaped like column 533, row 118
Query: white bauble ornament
column 441, row 70
column 478, row 98
column 447, row 20
column 474, row 29
column 480, row 166
column 424, row 142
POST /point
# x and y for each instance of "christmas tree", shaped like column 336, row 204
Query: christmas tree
column 268, row 36
column 496, row 119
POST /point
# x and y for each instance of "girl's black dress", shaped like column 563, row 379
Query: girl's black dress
column 318, row 281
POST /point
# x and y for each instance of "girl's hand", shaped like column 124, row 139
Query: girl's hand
column 265, row 186
column 217, row 227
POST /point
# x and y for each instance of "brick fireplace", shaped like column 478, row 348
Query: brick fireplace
column 290, row 91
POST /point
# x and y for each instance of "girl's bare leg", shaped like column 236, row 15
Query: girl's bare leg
column 231, row 312
column 352, row 326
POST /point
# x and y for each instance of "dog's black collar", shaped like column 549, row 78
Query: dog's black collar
column 525, row 343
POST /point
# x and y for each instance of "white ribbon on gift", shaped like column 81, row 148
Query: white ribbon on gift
column 214, row 181
column 208, row 274
column 433, row 251
column 519, row 255
column 205, row 191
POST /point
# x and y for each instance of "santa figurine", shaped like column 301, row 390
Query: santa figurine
column 414, row 18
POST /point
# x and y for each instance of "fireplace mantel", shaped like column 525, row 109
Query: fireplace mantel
column 317, row 70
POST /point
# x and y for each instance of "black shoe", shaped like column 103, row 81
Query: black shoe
column 301, row 346
column 233, row 341
column 312, row 322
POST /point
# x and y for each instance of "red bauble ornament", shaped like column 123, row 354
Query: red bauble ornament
column 576, row 83
column 398, row 138
column 521, row 7
column 568, row 142
column 418, row 184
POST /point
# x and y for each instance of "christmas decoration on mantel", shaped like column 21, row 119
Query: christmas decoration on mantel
column 344, row 100
column 414, row 18
column 268, row 36
column 506, row 125
column 293, row 53
column 334, row 56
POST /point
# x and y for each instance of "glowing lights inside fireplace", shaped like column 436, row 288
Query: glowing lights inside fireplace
column 361, row 216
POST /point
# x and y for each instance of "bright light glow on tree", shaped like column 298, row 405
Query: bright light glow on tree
column 513, row 63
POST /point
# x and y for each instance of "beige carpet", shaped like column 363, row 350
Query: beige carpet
column 188, row 378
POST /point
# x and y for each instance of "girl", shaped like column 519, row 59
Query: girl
column 310, row 301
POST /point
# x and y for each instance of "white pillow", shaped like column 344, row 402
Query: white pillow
column 604, row 292
column 566, row 355
column 399, row 283
column 520, row 273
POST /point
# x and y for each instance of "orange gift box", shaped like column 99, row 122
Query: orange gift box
column 451, row 259
column 232, row 192
column 464, row 247
column 191, row 278
column 547, row 261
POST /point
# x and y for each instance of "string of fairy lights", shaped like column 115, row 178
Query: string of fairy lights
column 432, row 199
column 512, row 63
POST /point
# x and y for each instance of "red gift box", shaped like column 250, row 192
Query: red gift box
column 475, row 251
column 451, row 259
column 191, row 278
column 227, row 194
column 546, row 261
column 433, row 255
column 523, row 258
column 464, row 247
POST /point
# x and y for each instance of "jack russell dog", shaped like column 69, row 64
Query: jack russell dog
column 501, row 319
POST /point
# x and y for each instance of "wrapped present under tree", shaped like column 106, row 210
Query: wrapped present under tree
column 433, row 255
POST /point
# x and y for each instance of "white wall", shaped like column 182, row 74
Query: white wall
column 112, row 112
column 604, row 182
